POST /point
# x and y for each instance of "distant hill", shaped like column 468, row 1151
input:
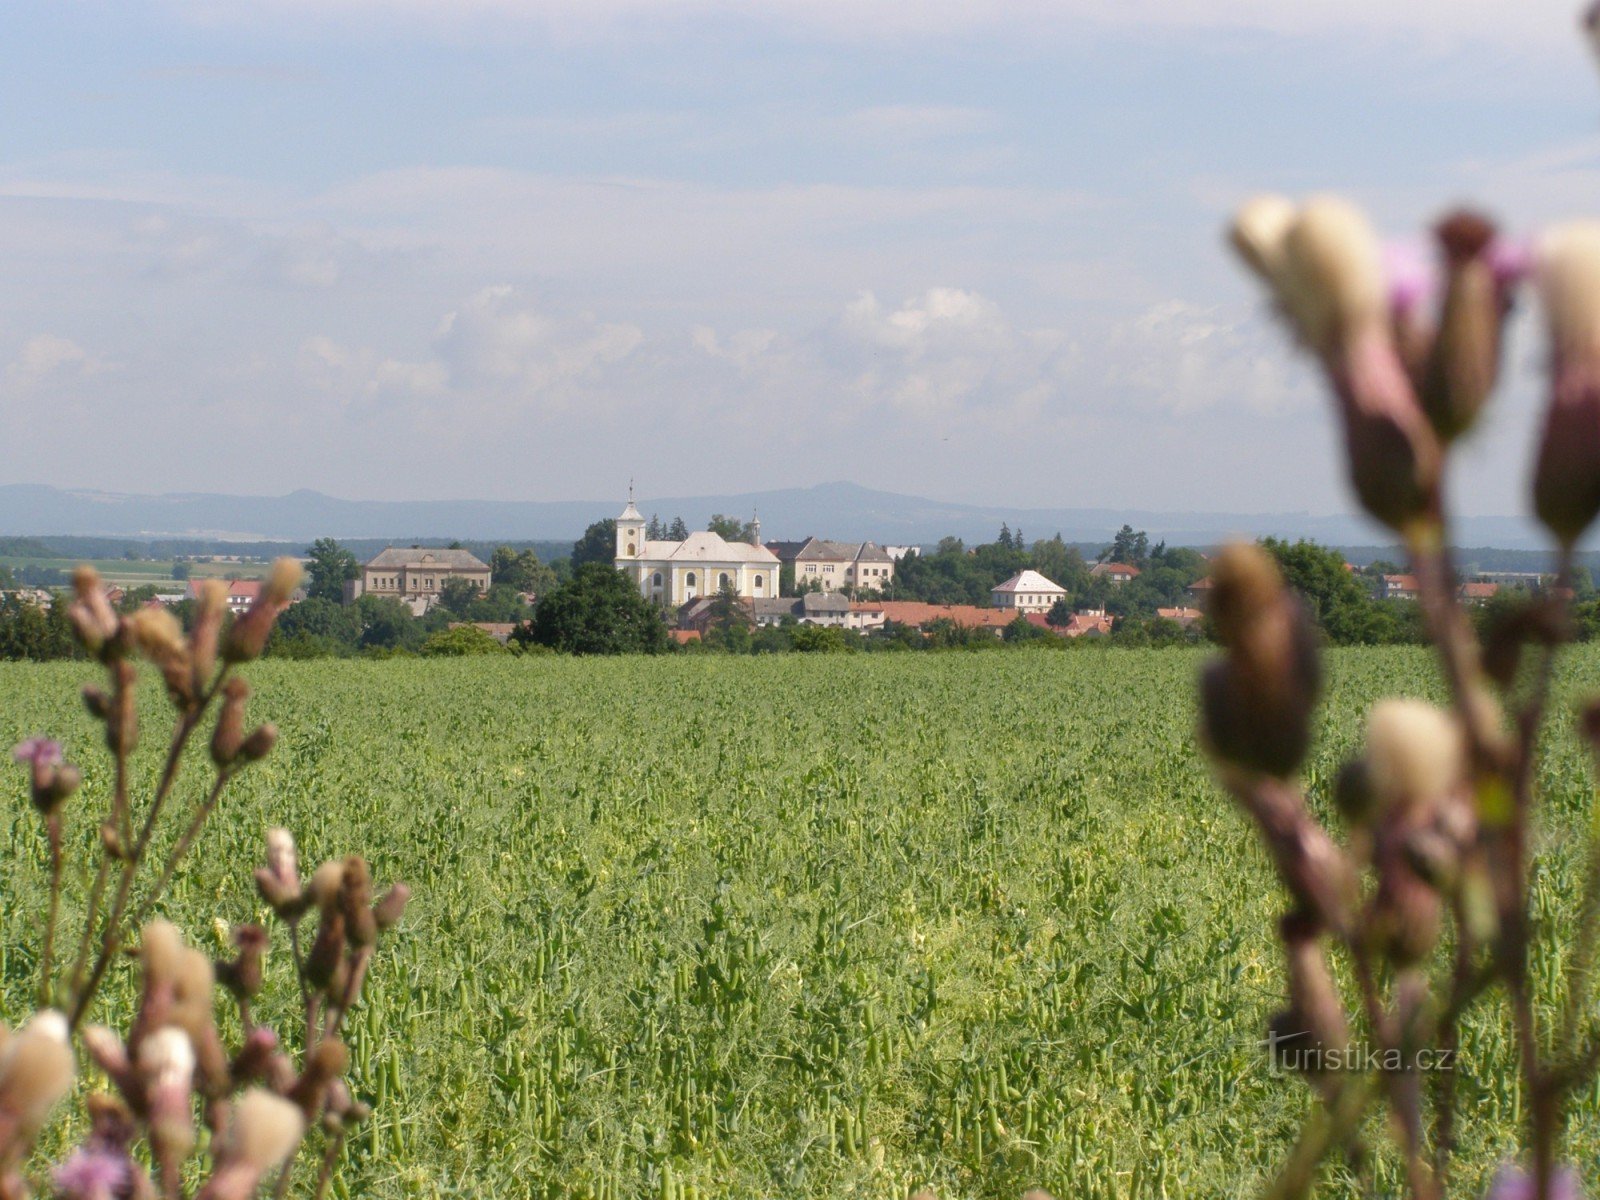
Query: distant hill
column 838, row 510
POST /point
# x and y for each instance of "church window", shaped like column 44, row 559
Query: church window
column 722, row 580
column 630, row 547
column 758, row 583
column 689, row 579
column 656, row 579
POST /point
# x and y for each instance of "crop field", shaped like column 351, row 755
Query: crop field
column 799, row 926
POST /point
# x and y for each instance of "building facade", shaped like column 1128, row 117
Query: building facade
column 1027, row 592
column 673, row 573
column 416, row 576
column 834, row 566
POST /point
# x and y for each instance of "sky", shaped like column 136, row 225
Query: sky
column 533, row 249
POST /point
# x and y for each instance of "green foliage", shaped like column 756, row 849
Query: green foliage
column 457, row 595
column 34, row 631
column 799, row 927
column 597, row 611
column 731, row 529
column 821, row 639
column 460, row 642
column 521, row 571
column 1341, row 601
column 597, row 545
column 329, row 566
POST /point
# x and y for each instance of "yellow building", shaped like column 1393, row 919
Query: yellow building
column 674, row 573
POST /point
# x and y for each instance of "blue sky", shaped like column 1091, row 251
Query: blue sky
column 531, row 248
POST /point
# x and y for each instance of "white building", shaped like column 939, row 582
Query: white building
column 1027, row 591
column 674, row 573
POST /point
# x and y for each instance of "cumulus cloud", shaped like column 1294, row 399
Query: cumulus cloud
column 47, row 356
column 499, row 338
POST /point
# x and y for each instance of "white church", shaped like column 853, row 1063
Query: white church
column 674, row 573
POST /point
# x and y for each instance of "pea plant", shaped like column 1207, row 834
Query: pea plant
column 186, row 1108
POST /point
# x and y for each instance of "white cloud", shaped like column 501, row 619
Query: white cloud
column 46, row 357
column 498, row 338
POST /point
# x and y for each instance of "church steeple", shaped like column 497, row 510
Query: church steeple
column 755, row 528
column 630, row 530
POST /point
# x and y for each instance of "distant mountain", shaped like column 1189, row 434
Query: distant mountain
column 837, row 510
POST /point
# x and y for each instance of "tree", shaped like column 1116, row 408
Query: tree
column 730, row 529
column 679, row 531
column 315, row 627
column 522, row 572
column 1060, row 613
column 1128, row 546
column 597, row 611
column 329, row 566
column 456, row 595
column 460, row 642
column 29, row 630
column 386, row 624
column 181, row 571
column 597, row 545
column 1339, row 602
column 655, row 531
column 1004, row 540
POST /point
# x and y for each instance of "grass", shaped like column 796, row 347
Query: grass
column 797, row 926
column 135, row 572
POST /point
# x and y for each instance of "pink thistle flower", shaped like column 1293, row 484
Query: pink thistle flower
column 93, row 1174
column 41, row 752
column 1513, row 1183
column 1411, row 274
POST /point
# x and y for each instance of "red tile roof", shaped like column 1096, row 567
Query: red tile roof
column 915, row 612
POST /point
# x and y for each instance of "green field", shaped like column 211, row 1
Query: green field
column 130, row 573
column 794, row 926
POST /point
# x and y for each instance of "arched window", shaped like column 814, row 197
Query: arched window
column 688, row 580
column 722, row 580
column 758, row 583
column 630, row 550
column 655, row 580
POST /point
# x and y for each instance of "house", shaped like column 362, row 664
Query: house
column 674, row 573
column 684, row 636
column 1200, row 589
column 865, row 615
column 416, row 575
column 242, row 593
column 1027, row 592
column 1397, row 587
column 1183, row 616
column 1478, row 593
column 861, row 566
column 968, row 616
column 1090, row 623
column 1117, row 573
column 813, row 608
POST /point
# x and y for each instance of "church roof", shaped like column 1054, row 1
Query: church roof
column 705, row 546
column 630, row 513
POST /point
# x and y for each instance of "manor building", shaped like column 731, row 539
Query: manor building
column 674, row 573
column 417, row 575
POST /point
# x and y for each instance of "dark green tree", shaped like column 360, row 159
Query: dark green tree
column 457, row 596
column 328, row 567
column 679, row 532
column 597, row 545
column 597, row 611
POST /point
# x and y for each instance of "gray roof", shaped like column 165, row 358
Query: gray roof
column 816, row 550
column 824, row 602
column 773, row 606
column 428, row 556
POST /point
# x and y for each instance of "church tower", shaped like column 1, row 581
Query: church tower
column 630, row 532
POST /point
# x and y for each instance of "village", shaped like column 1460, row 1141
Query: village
column 704, row 583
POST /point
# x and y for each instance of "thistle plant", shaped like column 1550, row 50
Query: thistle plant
column 1418, row 909
column 197, row 1099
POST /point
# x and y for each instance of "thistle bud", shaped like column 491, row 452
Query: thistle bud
column 1331, row 283
column 261, row 1132
column 1257, row 701
column 259, row 743
column 211, row 605
column 228, row 736
column 281, row 582
column 122, row 721
column 1566, row 484
column 388, row 911
column 254, row 1060
column 166, row 1068
column 243, row 976
column 355, row 902
column 1258, row 233
column 110, row 1055
column 326, row 881
column 327, row 1060
column 1416, row 754
column 35, row 1073
column 279, row 880
column 92, row 617
column 1461, row 370
column 326, row 955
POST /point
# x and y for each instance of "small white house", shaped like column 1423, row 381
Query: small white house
column 1027, row 591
